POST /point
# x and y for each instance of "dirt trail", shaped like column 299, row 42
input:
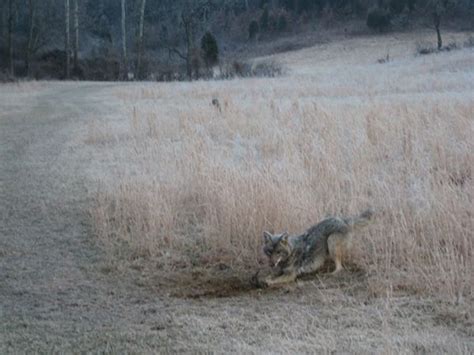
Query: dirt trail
column 54, row 297
column 51, row 295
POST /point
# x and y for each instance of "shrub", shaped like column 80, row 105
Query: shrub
column 451, row 46
column 56, row 57
column 210, row 49
column 237, row 68
column 50, row 65
column 425, row 49
column 101, row 68
column 240, row 69
column 469, row 43
column 6, row 77
column 269, row 69
column 385, row 59
column 378, row 19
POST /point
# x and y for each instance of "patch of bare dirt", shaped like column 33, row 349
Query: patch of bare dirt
column 224, row 282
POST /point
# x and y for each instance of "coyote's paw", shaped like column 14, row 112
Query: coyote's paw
column 259, row 281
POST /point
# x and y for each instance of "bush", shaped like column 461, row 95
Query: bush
column 170, row 71
column 469, row 43
column 378, row 19
column 236, row 69
column 50, row 65
column 422, row 49
column 210, row 49
column 101, row 69
column 253, row 29
column 240, row 69
column 55, row 56
column 6, row 77
column 269, row 69
column 451, row 46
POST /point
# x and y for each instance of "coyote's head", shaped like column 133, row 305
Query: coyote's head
column 277, row 247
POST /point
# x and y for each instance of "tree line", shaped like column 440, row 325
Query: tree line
column 110, row 39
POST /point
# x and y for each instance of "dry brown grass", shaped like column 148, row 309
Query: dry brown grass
column 337, row 135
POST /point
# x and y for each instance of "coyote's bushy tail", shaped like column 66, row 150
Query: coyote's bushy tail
column 361, row 220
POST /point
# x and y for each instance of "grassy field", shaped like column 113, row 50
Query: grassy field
column 176, row 193
column 339, row 133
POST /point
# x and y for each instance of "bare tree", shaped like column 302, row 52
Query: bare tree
column 37, row 37
column 31, row 33
column 437, row 23
column 141, row 26
column 76, row 34
column 67, row 40
column 439, row 9
column 190, row 17
column 124, row 71
column 188, row 22
column 11, row 68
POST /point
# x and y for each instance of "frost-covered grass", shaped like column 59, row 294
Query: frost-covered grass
column 340, row 133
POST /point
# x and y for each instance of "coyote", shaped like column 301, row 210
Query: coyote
column 215, row 102
column 292, row 256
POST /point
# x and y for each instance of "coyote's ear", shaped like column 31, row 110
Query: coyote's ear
column 284, row 238
column 267, row 237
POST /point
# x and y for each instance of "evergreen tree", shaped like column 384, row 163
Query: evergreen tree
column 210, row 49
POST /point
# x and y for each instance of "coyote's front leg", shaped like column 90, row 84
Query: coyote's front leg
column 282, row 279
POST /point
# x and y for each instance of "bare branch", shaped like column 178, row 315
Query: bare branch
column 174, row 50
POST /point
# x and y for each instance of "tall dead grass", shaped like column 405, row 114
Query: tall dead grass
column 202, row 185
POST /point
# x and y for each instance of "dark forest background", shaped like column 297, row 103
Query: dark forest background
column 184, row 39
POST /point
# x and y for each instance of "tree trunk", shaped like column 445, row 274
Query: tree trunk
column 67, row 40
column 10, row 40
column 124, row 43
column 188, row 33
column 437, row 22
column 246, row 5
column 141, row 26
column 76, row 33
column 29, row 49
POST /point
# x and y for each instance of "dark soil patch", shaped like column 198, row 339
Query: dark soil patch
column 225, row 283
column 207, row 283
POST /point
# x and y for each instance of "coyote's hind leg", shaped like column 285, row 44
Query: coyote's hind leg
column 337, row 245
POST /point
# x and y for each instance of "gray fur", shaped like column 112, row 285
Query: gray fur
column 292, row 256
